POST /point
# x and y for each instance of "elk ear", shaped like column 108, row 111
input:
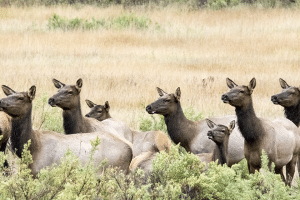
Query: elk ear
column 231, row 126
column 283, row 84
column 160, row 91
column 90, row 103
column 252, row 85
column 78, row 84
column 210, row 123
column 31, row 92
column 57, row 83
column 178, row 94
column 7, row 90
column 230, row 83
column 106, row 106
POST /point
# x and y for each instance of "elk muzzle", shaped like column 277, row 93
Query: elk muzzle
column 274, row 99
column 225, row 98
column 51, row 102
column 149, row 109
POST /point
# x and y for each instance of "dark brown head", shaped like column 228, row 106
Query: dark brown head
column 239, row 96
column 99, row 112
column 67, row 96
column 219, row 133
column 17, row 104
column 166, row 104
column 288, row 97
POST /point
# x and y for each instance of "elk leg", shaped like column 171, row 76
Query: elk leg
column 2, row 149
column 280, row 171
column 290, row 170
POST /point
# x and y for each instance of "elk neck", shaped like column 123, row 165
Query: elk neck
column 220, row 153
column 73, row 120
column 179, row 127
column 293, row 113
column 22, row 132
column 249, row 124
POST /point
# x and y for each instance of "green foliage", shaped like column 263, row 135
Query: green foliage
column 124, row 21
column 157, row 122
column 220, row 4
column 45, row 117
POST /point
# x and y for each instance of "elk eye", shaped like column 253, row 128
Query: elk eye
column 242, row 91
column 70, row 92
column 21, row 98
column 99, row 111
column 167, row 100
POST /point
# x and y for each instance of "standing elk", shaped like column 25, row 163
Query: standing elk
column 49, row 147
column 289, row 99
column 5, row 129
column 192, row 135
column 145, row 145
column 220, row 135
column 279, row 138
column 68, row 99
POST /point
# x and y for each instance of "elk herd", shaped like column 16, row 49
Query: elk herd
column 210, row 139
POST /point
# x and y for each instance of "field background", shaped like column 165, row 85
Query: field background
column 193, row 50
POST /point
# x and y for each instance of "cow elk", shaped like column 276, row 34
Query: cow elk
column 278, row 138
column 49, row 147
column 192, row 135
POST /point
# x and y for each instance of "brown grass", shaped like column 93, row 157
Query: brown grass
column 195, row 51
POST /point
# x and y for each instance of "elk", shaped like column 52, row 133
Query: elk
column 289, row 99
column 68, row 99
column 278, row 138
column 150, row 141
column 5, row 129
column 220, row 135
column 49, row 147
column 192, row 135
column 99, row 112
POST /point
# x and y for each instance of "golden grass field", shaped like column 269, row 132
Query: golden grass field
column 194, row 50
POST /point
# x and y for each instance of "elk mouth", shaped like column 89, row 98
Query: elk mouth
column 275, row 100
column 210, row 135
column 149, row 110
column 225, row 98
column 51, row 102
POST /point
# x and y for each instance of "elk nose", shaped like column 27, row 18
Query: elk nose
column 224, row 97
column 51, row 101
column 148, row 108
column 87, row 115
column 274, row 98
column 209, row 133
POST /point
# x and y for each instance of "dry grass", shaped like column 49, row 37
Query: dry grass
column 195, row 51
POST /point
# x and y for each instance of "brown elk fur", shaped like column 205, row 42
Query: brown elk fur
column 280, row 139
column 49, row 147
column 192, row 135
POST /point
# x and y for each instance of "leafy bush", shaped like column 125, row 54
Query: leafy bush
column 124, row 21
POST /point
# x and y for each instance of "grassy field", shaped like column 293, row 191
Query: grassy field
column 193, row 50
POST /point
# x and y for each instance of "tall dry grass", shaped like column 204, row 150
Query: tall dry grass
column 195, row 51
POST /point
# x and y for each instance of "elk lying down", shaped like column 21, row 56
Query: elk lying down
column 49, row 147
column 153, row 141
column 280, row 138
column 145, row 145
column 220, row 135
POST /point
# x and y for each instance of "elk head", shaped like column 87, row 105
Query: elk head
column 166, row 104
column 67, row 96
column 99, row 112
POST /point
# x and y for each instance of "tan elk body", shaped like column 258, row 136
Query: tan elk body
column 280, row 138
column 5, row 129
column 192, row 135
column 145, row 145
column 49, row 147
